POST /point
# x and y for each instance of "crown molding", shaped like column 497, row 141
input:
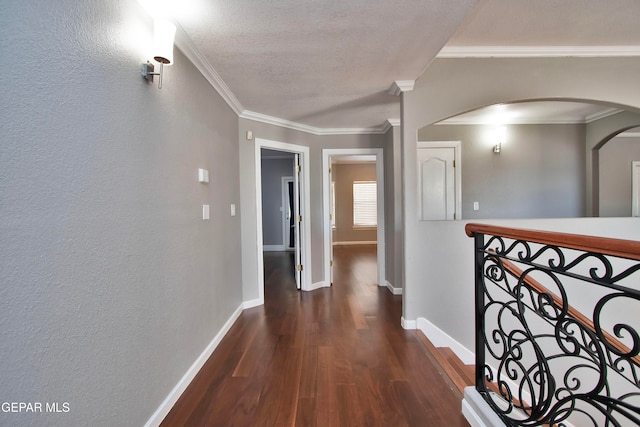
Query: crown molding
column 602, row 114
column 189, row 49
column 400, row 86
column 276, row 121
column 537, row 51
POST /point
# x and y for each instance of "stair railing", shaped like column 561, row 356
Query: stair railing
column 557, row 321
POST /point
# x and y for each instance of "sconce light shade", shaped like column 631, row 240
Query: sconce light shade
column 163, row 35
column 497, row 148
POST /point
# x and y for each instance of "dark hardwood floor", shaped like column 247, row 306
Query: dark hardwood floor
column 332, row 357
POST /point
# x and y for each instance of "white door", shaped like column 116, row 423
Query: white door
column 288, row 234
column 297, row 219
column 436, row 182
column 635, row 189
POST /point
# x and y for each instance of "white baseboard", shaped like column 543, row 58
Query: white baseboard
column 273, row 248
column 350, row 243
column 407, row 324
column 439, row 338
column 478, row 412
column 394, row 290
column 253, row 303
column 179, row 388
column 318, row 285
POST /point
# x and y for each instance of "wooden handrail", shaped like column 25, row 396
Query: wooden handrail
column 629, row 249
column 557, row 301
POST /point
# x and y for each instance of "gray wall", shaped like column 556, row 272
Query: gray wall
column 344, row 176
column 438, row 257
column 272, row 172
column 247, row 184
column 393, row 207
column 540, row 172
column 112, row 284
column 615, row 175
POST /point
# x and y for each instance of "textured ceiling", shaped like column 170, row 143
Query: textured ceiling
column 328, row 64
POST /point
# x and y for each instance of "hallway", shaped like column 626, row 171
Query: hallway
column 332, row 357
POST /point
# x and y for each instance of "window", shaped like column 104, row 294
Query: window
column 365, row 213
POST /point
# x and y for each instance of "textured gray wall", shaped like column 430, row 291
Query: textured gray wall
column 112, row 285
column 615, row 175
column 344, row 175
column 272, row 172
column 539, row 173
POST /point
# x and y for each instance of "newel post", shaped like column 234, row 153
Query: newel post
column 479, row 311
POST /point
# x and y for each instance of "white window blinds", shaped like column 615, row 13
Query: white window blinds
column 364, row 204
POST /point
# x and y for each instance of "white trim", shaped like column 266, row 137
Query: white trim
column 273, row 248
column 602, row 114
column 393, row 122
column 531, row 120
column 305, row 209
column 326, row 209
column 276, row 121
column 251, row 303
column 392, row 289
column 186, row 379
column 188, row 48
column 457, row 155
column 400, row 86
column 478, row 412
column 628, row 135
column 318, row 285
column 537, row 51
column 354, row 242
column 407, row 324
column 439, row 338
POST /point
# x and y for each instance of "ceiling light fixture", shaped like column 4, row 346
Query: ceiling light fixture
column 163, row 35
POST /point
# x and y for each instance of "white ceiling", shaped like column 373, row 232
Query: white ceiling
column 328, row 65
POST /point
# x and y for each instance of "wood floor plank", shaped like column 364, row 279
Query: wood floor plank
column 332, row 357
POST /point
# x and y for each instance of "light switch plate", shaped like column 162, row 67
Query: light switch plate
column 203, row 175
column 205, row 212
column 233, row 210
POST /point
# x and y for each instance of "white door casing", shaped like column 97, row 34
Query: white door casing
column 326, row 207
column 305, row 209
column 297, row 219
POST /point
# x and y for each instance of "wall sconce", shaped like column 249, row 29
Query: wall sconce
column 501, row 133
column 163, row 34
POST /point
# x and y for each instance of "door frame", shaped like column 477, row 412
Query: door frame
column 326, row 209
column 457, row 170
column 305, row 209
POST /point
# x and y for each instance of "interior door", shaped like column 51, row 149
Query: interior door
column 436, row 183
column 297, row 219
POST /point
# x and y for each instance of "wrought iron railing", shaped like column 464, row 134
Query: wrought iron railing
column 557, row 321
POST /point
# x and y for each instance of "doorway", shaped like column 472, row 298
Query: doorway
column 299, row 157
column 375, row 155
